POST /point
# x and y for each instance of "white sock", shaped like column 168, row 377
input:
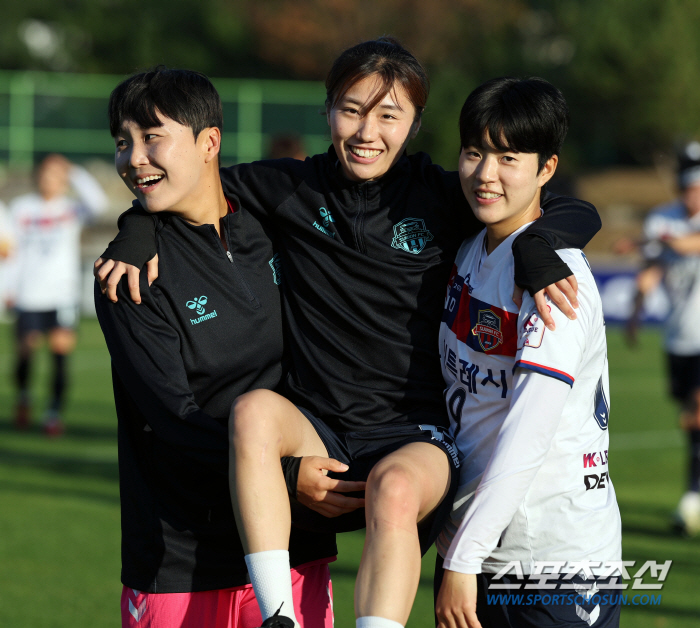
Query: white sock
column 376, row 622
column 271, row 578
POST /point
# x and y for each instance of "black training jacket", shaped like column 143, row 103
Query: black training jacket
column 208, row 330
column 366, row 267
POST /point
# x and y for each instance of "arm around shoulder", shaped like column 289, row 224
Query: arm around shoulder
column 135, row 243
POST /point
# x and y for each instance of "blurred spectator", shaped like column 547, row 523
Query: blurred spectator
column 43, row 275
column 287, row 145
column 5, row 248
column 671, row 249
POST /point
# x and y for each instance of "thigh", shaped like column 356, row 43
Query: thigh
column 222, row 608
column 313, row 600
column 31, row 327
column 167, row 610
column 313, row 595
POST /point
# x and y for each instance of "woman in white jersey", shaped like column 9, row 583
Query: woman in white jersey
column 528, row 404
column 44, row 274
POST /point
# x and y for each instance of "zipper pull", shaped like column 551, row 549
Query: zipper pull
column 230, row 257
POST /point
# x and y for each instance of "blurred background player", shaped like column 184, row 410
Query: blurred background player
column 287, row 145
column 44, row 274
column 672, row 252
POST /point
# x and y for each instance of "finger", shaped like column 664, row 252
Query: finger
column 113, row 281
column 543, row 310
column 518, row 296
column 472, row 621
column 96, row 266
column 330, row 464
column 133, row 274
column 446, row 619
column 557, row 297
column 152, row 269
column 343, row 501
column 343, row 486
column 103, row 272
column 568, row 290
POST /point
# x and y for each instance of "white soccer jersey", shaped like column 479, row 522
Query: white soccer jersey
column 534, row 443
column 44, row 270
column 681, row 278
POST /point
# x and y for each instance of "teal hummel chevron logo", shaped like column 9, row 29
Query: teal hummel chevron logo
column 198, row 304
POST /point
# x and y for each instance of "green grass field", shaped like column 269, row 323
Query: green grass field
column 59, row 499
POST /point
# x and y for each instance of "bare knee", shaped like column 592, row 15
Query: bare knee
column 391, row 493
column 62, row 341
column 253, row 418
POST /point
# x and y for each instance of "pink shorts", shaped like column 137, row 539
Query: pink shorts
column 230, row 608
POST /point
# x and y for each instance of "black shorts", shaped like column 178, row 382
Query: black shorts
column 27, row 321
column 361, row 451
column 684, row 373
column 518, row 607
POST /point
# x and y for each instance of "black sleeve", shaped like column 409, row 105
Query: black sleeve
column 259, row 187
column 135, row 243
column 145, row 353
column 566, row 223
column 262, row 186
column 290, row 468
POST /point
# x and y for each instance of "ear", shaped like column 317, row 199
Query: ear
column 328, row 115
column 211, row 145
column 547, row 171
column 415, row 127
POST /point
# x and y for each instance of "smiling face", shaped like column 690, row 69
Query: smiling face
column 369, row 143
column 166, row 168
column 502, row 187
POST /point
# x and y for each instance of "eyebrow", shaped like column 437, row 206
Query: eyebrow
column 381, row 105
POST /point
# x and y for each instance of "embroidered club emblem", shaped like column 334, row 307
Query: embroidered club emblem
column 488, row 329
column 411, row 235
column 197, row 304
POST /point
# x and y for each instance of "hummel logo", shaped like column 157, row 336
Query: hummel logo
column 327, row 220
column 137, row 612
column 198, row 304
column 326, row 215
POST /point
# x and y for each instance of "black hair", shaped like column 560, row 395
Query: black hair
column 385, row 58
column 185, row 96
column 524, row 115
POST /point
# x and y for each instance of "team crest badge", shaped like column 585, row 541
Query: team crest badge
column 411, row 235
column 488, row 329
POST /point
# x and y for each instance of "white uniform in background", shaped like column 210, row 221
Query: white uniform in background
column 529, row 409
column 682, row 275
column 44, row 270
column 5, row 244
